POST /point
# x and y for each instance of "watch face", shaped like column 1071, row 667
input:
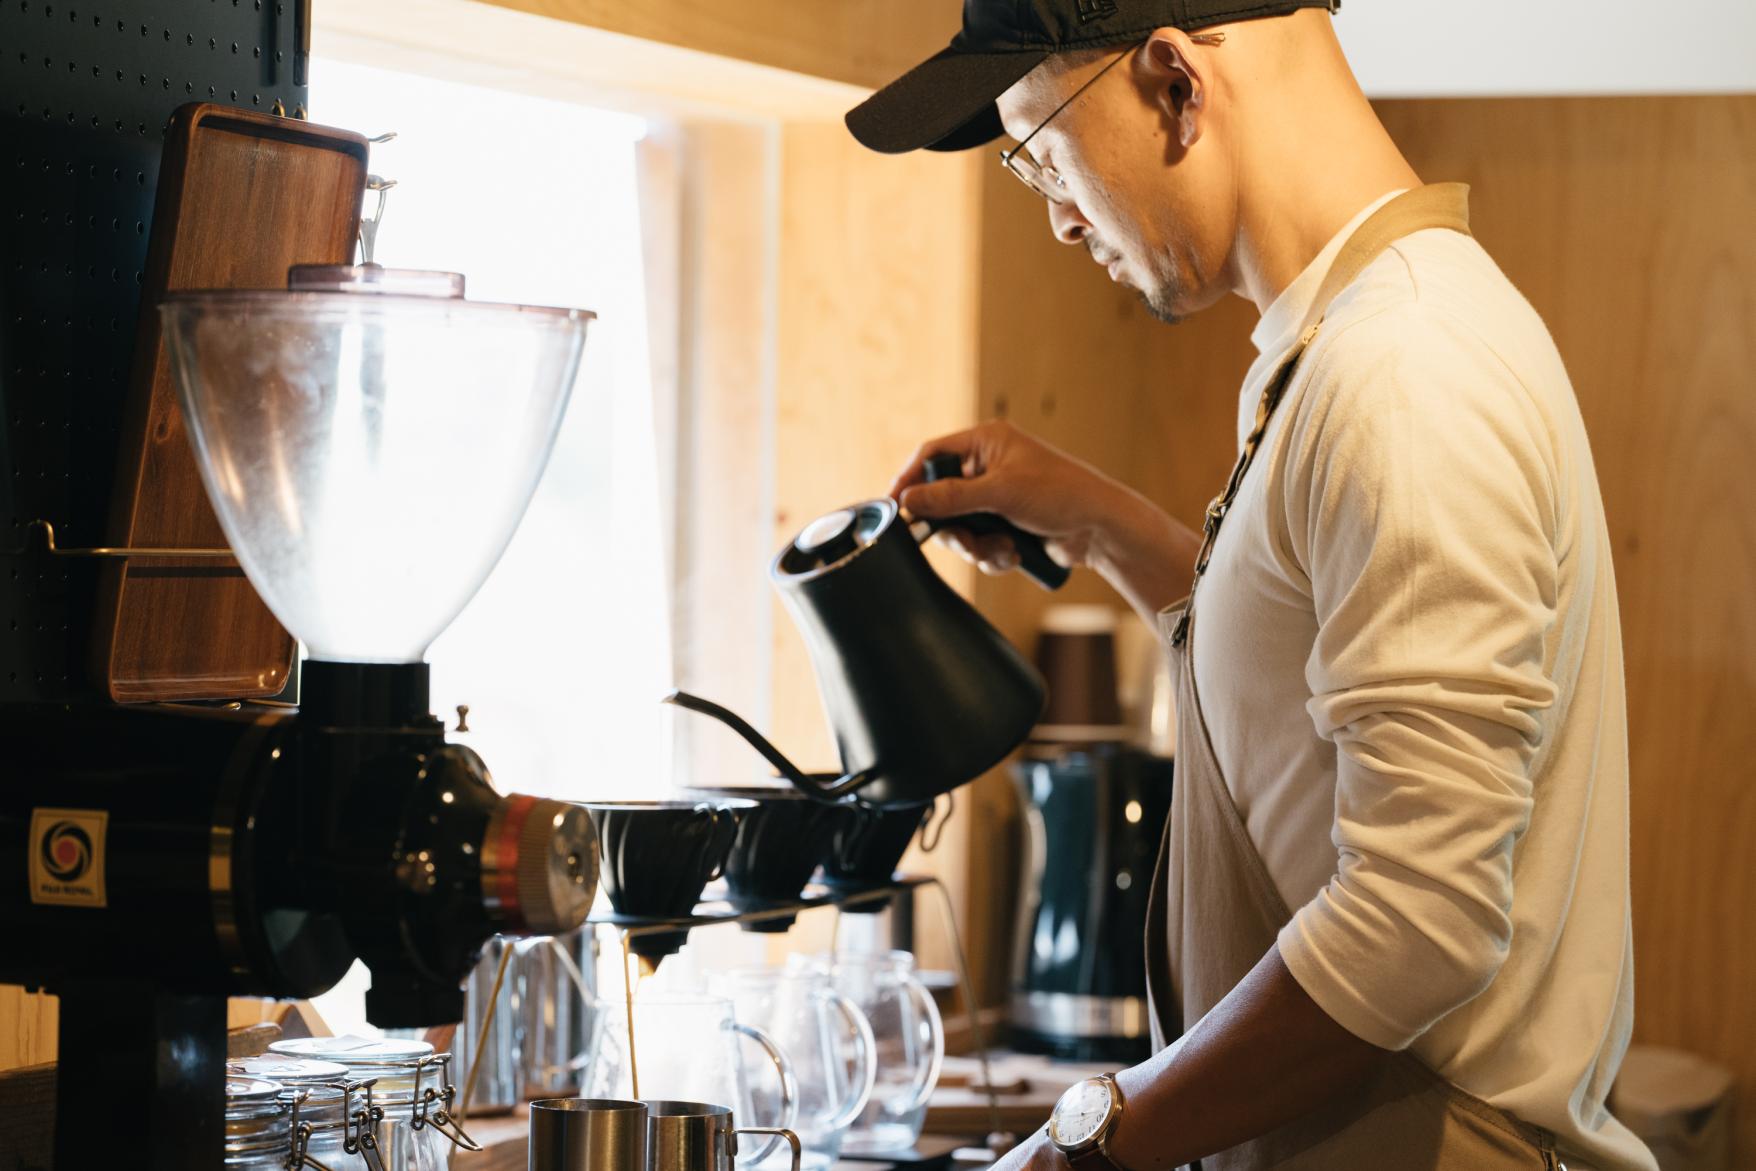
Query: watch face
column 1080, row 1113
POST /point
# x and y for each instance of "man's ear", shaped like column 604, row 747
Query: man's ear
column 1175, row 73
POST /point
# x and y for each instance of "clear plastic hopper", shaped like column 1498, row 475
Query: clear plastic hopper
column 370, row 441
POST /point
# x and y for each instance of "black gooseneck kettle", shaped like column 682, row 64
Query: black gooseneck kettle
column 922, row 693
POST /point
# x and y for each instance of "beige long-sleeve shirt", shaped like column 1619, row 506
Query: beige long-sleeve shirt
column 1410, row 661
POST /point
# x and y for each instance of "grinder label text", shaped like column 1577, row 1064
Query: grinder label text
column 67, row 856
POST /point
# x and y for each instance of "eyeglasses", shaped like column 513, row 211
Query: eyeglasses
column 1046, row 181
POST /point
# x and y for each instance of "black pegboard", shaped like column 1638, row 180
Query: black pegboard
column 85, row 92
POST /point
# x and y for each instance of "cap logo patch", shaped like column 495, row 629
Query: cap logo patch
column 1090, row 10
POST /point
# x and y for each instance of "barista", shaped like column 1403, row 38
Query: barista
column 1390, row 923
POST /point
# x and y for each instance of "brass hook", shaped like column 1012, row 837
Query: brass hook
column 50, row 547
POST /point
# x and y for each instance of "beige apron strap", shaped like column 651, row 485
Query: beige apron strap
column 1437, row 205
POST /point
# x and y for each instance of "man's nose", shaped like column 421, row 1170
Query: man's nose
column 1067, row 223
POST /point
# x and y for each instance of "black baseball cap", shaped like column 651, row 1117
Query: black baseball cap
column 947, row 101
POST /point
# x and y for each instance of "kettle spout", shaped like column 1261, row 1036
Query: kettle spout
column 821, row 790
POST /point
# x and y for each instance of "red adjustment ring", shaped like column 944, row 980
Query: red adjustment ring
column 539, row 865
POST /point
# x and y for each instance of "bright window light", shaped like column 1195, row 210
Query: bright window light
column 563, row 655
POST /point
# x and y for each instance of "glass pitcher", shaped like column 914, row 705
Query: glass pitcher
column 826, row 1036
column 689, row 1047
column 910, row 1043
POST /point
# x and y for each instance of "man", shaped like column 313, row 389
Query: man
column 1391, row 924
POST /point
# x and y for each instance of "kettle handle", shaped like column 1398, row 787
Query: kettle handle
column 1033, row 554
column 825, row 791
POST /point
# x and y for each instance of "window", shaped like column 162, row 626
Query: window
column 564, row 654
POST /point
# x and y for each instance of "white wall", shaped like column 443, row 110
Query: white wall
column 1479, row 48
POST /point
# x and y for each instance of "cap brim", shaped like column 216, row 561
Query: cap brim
column 944, row 103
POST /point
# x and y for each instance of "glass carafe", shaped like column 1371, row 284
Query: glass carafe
column 827, row 1038
column 911, row 1046
column 690, row 1047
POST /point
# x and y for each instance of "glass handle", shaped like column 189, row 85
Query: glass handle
column 587, row 998
column 780, row 1132
column 865, row 1061
column 789, row 1092
column 928, row 1077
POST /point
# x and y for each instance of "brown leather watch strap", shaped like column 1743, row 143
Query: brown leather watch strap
column 1092, row 1159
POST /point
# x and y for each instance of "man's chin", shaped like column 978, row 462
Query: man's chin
column 1162, row 307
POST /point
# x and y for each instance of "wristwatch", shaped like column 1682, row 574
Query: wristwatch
column 1083, row 1120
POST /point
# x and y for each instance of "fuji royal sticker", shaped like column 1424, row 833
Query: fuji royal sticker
column 67, row 857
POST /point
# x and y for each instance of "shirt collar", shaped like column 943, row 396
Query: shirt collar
column 1285, row 319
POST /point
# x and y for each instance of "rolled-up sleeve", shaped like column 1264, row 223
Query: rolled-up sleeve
column 1423, row 509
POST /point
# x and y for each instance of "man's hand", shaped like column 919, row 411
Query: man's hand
column 1084, row 517
column 1023, row 479
column 1035, row 1153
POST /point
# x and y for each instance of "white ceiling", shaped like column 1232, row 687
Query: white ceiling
column 1429, row 48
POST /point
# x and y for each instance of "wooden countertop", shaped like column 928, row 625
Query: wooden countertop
column 505, row 1140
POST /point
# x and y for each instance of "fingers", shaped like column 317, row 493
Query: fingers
column 944, row 498
column 961, row 444
column 991, row 554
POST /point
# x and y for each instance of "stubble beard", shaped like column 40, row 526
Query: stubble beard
column 1162, row 307
column 1160, row 302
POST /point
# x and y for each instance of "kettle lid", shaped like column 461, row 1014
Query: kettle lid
column 834, row 537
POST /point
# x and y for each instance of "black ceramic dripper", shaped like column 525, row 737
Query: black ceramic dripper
column 657, row 856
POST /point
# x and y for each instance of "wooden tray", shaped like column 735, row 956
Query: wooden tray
column 242, row 197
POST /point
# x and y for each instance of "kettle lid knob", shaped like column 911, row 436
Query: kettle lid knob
column 830, row 537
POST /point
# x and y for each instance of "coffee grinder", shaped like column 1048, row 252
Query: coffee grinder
column 369, row 440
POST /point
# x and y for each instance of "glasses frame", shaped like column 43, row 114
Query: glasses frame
column 1047, row 181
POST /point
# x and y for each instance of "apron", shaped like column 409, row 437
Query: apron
column 1214, row 911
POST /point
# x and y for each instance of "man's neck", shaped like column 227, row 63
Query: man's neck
column 1302, row 185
